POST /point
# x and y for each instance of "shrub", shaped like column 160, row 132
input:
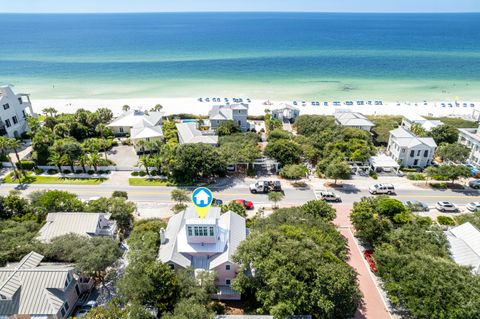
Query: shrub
column 115, row 143
column 134, row 173
column 126, row 142
column 78, row 171
column 424, row 220
column 26, row 135
column 120, row 194
column 416, row 176
column 28, row 165
column 67, row 171
column 153, row 173
column 38, row 171
column 90, row 172
column 445, row 220
column 373, row 174
column 142, row 174
column 52, row 171
column 100, row 172
column 294, row 171
column 107, row 171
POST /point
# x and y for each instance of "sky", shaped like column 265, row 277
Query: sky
column 61, row 6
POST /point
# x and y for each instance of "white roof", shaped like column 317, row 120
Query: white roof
column 405, row 138
column 231, row 232
column 137, row 118
column 31, row 288
column 428, row 125
column 189, row 134
column 58, row 224
column 383, row 160
column 348, row 118
column 146, row 132
column 224, row 112
column 465, row 245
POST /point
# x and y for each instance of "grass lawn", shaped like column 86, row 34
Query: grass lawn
column 56, row 180
column 149, row 182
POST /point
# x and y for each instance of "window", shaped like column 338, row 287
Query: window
column 7, row 123
column 227, row 282
column 189, row 229
column 67, row 306
column 418, row 152
column 205, row 231
column 227, row 267
column 211, row 231
column 202, row 231
column 120, row 130
column 14, row 119
column 415, row 162
column 6, row 106
column 425, row 153
column 196, row 231
column 403, row 150
column 412, row 153
column 172, row 266
column 24, row 114
column 20, row 100
column 63, row 312
column 77, row 290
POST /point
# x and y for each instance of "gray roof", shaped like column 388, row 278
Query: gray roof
column 405, row 138
column 32, row 289
column 224, row 112
column 346, row 117
column 465, row 245
column 229, row 221
column 58, row 224
column 189, row 134
column 137, row 118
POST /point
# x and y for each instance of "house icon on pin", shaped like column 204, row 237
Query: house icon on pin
column 202, row 198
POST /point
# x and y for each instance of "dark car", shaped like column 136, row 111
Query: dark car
column 416, row 206
column 474, row 183
column 217, row 202
column 245, row 203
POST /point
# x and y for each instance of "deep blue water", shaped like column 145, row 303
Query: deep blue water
column 155, row 50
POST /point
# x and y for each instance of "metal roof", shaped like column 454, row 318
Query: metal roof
column 346, row 117
column 30, row 289
column 58, row 224
column 137, row 118
column 189, row 133
column 405, row 138
column 146, row 132
column 465, row 245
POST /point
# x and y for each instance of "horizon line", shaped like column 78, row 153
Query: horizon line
column 246, row 11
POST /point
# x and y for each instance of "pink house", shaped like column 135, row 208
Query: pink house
column 205, row 244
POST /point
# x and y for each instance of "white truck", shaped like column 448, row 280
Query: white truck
column 265, row 187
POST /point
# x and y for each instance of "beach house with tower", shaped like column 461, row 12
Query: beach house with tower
column 237, row 113
column 13, row 112
column 206, row 244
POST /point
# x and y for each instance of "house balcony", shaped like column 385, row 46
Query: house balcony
column 108, row 230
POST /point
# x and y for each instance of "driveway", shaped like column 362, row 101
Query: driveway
column 123, row 156
column 373, row 303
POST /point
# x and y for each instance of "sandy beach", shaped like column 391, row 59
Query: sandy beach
column 257, row 107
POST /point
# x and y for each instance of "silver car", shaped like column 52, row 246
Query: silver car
column 473, row 206
column 446, row 207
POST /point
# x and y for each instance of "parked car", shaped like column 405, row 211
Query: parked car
column 266, row 187
column 368, row 254
column 86, row 308
column 382, row 189
column 446, row 207
column 474, row 183
column 217, row 202
column 473, row 206
column 245, row 203
column 416, row 206
column 330, row 197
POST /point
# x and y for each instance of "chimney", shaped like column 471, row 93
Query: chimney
column 162, row 236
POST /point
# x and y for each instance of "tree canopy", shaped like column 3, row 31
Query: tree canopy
column 444, row 134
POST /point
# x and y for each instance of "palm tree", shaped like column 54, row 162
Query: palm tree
column 14, row 144
column 58, row 160
column 49, row 111
column 145, row 162
column 125, row 108
column 94, row 160
column 82, row 161
column 156, row 145
column 4, row 146
column 275, row 197
column 142, row 144
column 157, row 162
column 156, row 108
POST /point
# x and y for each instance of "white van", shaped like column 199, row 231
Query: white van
column 382, row 189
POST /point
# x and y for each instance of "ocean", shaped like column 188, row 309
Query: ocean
column 311, row 56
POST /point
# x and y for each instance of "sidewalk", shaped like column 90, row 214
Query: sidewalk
column 363, row 183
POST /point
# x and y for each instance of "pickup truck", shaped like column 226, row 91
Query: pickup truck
column 265, row 187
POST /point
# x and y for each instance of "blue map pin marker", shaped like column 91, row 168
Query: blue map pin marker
column 202, row 199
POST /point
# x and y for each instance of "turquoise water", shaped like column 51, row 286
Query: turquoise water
column 264, row 55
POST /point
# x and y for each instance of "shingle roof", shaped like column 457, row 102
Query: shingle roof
column 31, row 289
column 189, row 134
column 58, row 224
column 465, row 245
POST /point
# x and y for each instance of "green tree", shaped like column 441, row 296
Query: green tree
column 235, row 207
column 455, row 152
column 338, row 169
column 125, row 108
column 144, row 161
column 319, row 209
column 275, row 197
column 94, row 161
column 156, row 108
column 119, row 208
column 50, row 111
column 56, row 201
column 82, row 161
column 4, row 146
column 444, row 134
column 294, row 171
column 418, row 130
column 284, row 151
column 114, row 309
column 14, row 145
column 180, row 197
column 227, row 128
column 192, row 161
column 448, row 172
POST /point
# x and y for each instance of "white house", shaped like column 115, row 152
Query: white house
column 84, row 224
column 470, row 137
column 30, row 289
column 285, row 112
column 13, row 112
column 140, row 125
column 188, row 133
column 347, row 118
column 427, row 125
column 206, row 244
column 409, row 150
column 465, row 246
column 231, row 112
